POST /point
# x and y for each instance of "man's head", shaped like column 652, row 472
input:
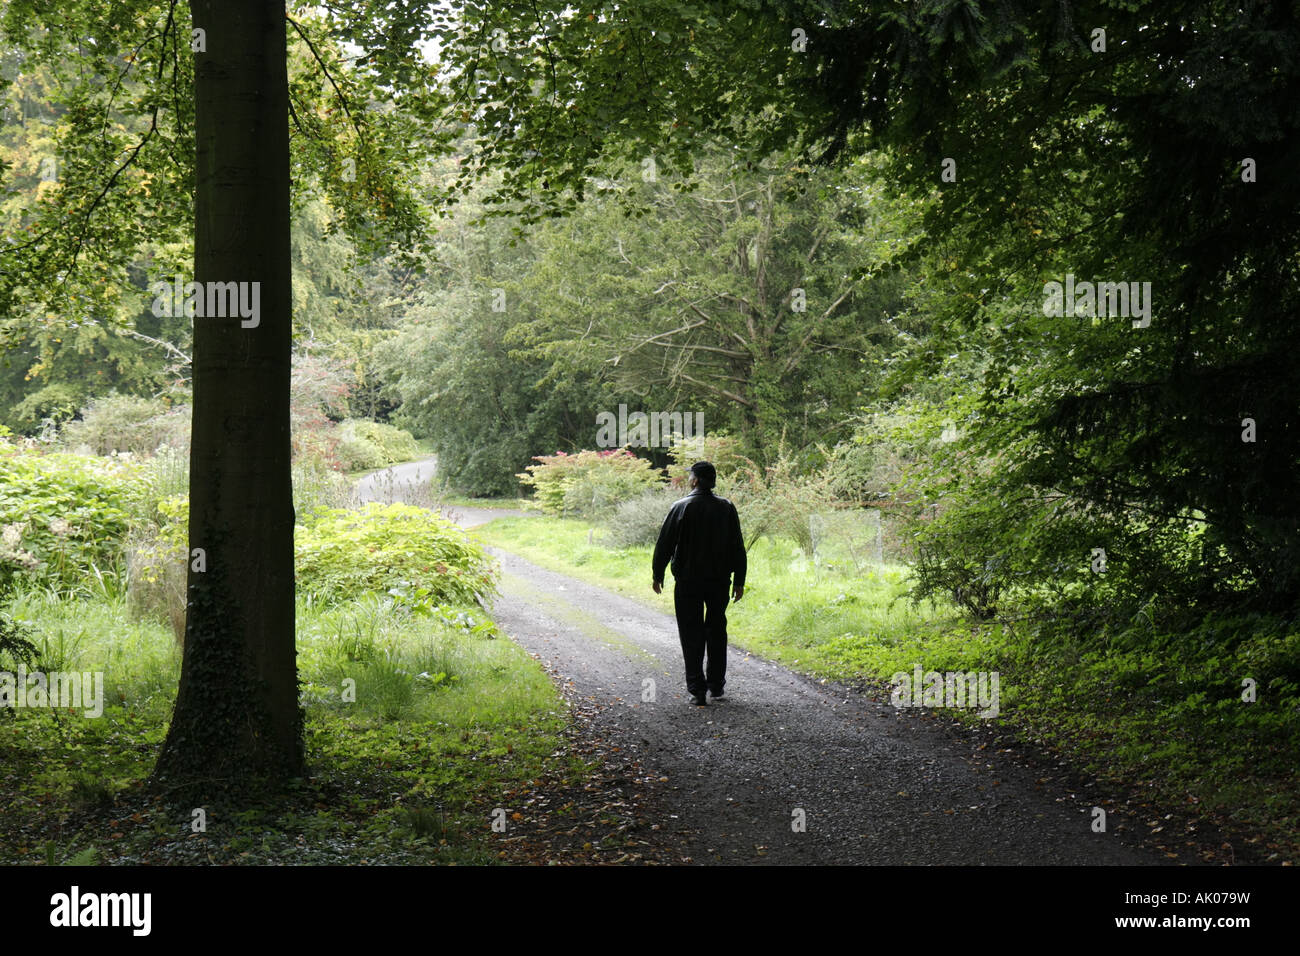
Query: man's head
column 704, row 475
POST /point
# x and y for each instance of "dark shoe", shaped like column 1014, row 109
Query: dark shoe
column 698, row 700
column 716, row 694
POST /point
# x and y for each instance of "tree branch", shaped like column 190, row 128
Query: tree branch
column 182, row 358
column 740, row 399
column 343, row 101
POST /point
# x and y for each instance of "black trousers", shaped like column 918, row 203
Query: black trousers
column 702, row 625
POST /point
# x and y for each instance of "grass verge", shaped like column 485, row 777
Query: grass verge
column 445, row 726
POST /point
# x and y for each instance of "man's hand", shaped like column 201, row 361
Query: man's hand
column 658, row 586
column 738, row 592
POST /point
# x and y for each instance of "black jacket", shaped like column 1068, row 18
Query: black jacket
column 701, row 535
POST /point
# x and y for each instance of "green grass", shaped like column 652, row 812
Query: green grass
column 140, row 660
column 1154, row 713
column 444, row 725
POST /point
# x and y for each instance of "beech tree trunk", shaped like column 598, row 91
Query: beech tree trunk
column 237, row 715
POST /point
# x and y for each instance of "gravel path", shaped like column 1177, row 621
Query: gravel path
column 869, row 783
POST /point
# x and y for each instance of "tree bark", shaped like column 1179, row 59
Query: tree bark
column 237, row 716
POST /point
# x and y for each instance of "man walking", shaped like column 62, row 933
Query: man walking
column 701, row 536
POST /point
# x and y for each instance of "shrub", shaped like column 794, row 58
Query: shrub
column 637, row 521
column 410, row 555
column 970, row 577
column 589, row 483
column 316, row 448
column 740, row 480
column 390, row 444
column 62, row 516
column 42, row 411
column 156, row 549
column 128, row 424
column 878, row 468
column 367, row 445
column 785, row 504
column 888, row 444
column 391, row 549
column 779, row 501
column 318, row 395
column 356, row 454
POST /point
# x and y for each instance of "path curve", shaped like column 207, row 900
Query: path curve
column 403, row 482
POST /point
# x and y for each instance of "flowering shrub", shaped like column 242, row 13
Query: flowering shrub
column 589, row 483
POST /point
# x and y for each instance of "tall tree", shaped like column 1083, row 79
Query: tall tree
column 237, row 705
column 760, row 298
